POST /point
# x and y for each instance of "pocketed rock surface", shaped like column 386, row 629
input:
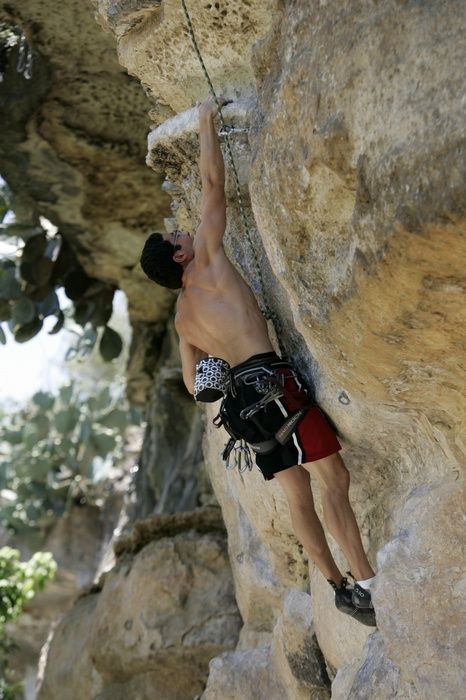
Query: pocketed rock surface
column 155, row 619
column 289, row 667
column 350, row 146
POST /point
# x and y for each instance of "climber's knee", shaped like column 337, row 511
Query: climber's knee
column 331, row 473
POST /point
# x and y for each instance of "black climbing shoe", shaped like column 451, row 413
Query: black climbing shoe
column 343, row 596
column 361, row 598
column 344, row 603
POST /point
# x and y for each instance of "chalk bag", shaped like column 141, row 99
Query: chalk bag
column 212, row 379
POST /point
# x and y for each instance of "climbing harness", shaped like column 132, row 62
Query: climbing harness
column 225, row 131
column 269, row 383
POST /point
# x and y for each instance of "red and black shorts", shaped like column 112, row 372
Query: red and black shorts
column 312, row 439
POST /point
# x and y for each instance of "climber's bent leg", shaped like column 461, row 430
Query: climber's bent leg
column 307, row 527
column 334, row 479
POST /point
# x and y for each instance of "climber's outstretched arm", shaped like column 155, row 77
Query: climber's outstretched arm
column 213, row 206
column 189, row 356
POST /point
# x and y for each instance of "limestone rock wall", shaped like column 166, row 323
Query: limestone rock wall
column 350, row 147
column 291, row 666
column 171, row 475
column 349, row 142
column 72, row 149
column 152, row 622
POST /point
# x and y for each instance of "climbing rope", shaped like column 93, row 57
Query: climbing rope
column 266, row 310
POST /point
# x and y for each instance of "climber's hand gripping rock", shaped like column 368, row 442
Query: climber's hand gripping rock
column 209, row 107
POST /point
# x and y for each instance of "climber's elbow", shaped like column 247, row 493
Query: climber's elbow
column 214, row 179
column 188, row 380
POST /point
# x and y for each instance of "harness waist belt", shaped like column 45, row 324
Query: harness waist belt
column 258, row 369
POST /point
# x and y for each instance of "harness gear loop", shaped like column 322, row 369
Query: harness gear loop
column 225, row 130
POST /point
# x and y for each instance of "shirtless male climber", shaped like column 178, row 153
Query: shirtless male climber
column 218, row 317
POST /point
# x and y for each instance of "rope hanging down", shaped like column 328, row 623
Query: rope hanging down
column 268, row 313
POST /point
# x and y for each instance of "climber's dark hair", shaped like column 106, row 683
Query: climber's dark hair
column 158, row 264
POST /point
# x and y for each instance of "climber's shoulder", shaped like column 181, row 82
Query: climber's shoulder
column 213, row 263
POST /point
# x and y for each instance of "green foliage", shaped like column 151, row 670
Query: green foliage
column 10, row 288
column 110, row 344
column 27, row 291
column 55, row 451
column 26, row 331
column 19, row 582
column 3, row 200
column 24, row 311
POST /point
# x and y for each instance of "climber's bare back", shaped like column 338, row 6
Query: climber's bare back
column 217, row 311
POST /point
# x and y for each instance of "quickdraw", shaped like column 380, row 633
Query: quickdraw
column 239, row 451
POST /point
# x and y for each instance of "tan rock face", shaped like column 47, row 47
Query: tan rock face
column 375, row 677
column 354, row 164
column 161, row 614
column 350, row 153
column 357, row 182
column 72, row 149
column 225, row 31
column 425, row 561
column 93, row 119
column 290, row 667
column 70, row 649
column 295, row 652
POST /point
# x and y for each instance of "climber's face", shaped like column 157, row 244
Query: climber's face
column 183, row 243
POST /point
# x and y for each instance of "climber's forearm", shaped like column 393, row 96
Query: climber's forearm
column 213, row 204
column 211, row 163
